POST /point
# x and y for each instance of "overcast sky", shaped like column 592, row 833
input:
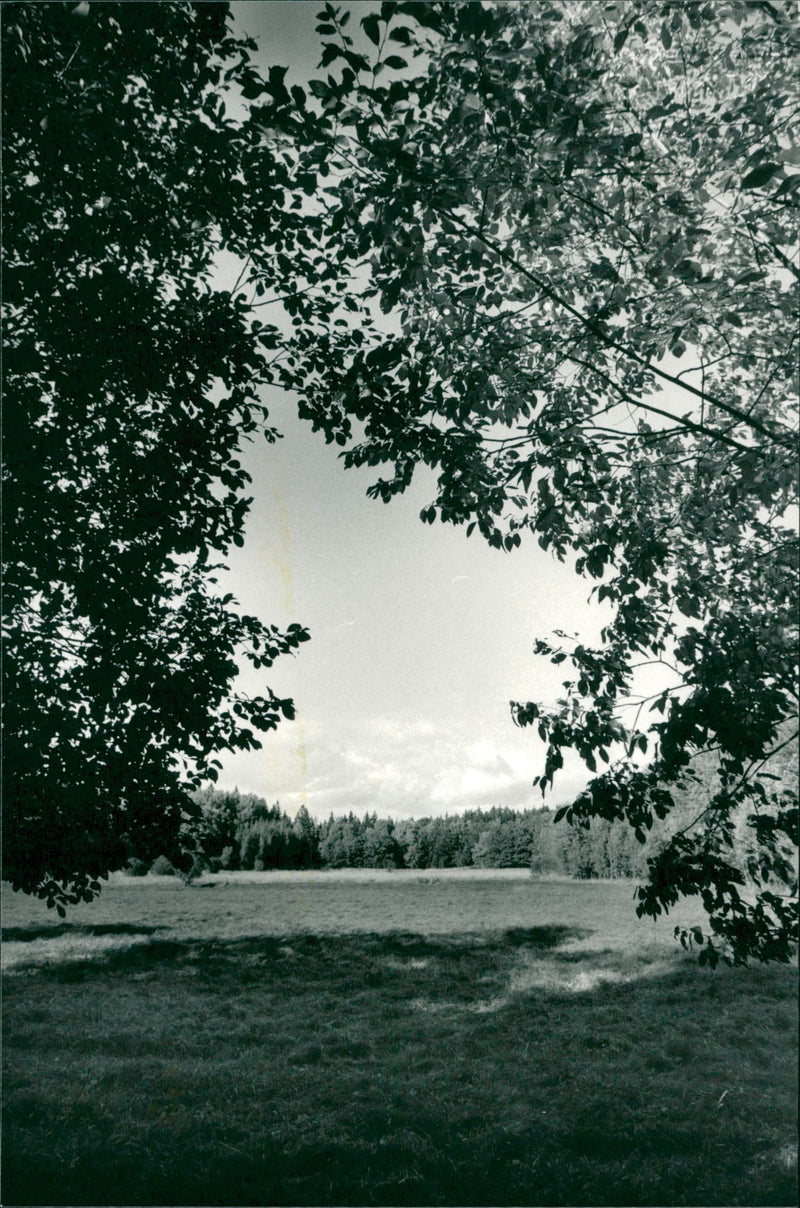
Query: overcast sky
column 420, row 637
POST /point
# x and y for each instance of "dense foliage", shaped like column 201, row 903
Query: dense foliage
column 129, row 384
column 579, row 220
column 542, row 249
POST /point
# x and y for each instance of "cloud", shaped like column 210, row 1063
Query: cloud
column 408, row 767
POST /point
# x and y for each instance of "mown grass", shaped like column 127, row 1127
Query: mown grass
column 537, row 1064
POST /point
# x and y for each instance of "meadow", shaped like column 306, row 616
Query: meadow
column 387, row 1038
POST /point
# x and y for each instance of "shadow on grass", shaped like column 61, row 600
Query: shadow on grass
column 375, row 958
column 355, row 1069
column 542, row 938
column 24, row 935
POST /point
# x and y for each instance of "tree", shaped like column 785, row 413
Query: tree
column 130, row 382
column 579, row 219
column 492, row 849
column 417, row 837
column 342, row 842
column 547, row 856
column 215, row 827
column 306, row 834
column 381, row 848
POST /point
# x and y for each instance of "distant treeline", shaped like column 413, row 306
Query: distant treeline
column 241, row 831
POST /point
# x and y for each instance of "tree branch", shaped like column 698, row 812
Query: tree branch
column 686, row 423
column 608, row 340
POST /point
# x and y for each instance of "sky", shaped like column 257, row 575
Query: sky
column 420, row 637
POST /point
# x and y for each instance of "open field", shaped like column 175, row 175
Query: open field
column 413, row 1038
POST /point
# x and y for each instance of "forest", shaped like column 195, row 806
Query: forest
column 241, row 831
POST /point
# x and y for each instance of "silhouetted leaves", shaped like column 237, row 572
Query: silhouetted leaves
column 129, row 383
column 553, row 203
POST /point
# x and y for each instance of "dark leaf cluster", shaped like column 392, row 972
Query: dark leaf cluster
column 130, row 380
column 561, row 246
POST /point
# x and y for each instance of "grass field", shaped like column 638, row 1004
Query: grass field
column 386, row 1039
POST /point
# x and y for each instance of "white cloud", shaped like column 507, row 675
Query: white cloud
column 408, row 767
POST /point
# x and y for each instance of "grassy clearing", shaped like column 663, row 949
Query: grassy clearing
column 244, row 1046
column 435, row 901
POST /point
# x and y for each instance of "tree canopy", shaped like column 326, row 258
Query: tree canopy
column 130, row 382
column 551, row 257
column 545, row 250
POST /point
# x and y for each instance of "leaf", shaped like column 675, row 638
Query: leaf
column 371, row 27
column 760, row 175
column 750, row 275
column 252, row 88
column 330, row 51
column 390, row 294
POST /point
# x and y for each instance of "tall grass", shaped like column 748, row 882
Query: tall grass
column 188, row 1056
